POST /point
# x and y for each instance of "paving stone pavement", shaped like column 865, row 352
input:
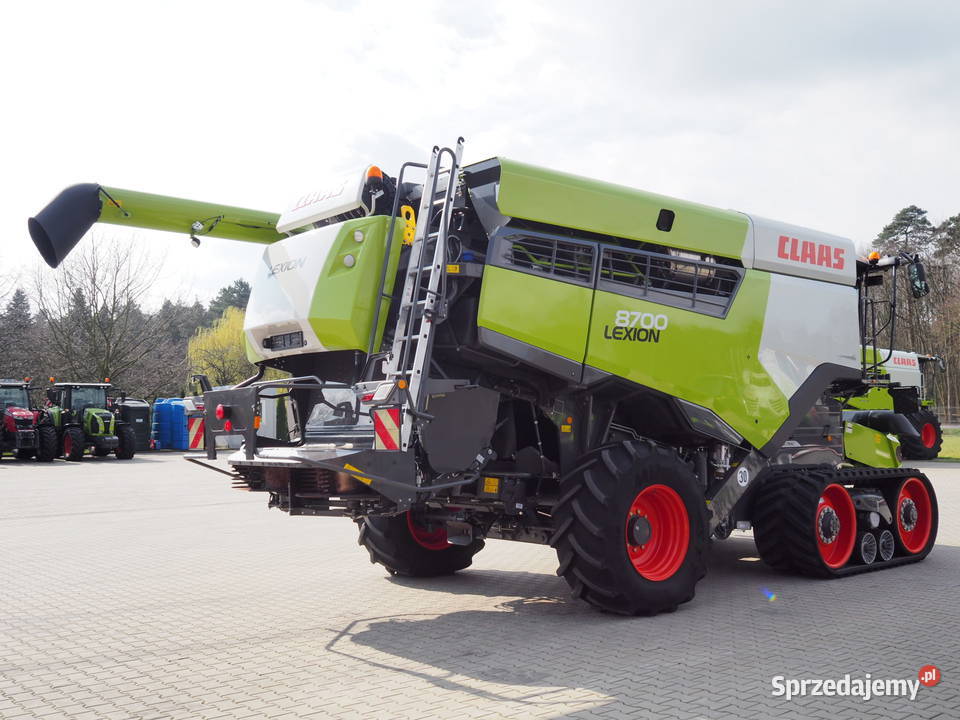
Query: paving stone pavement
column 150, row 589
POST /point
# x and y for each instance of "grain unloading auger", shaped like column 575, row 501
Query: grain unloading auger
column 502, row 351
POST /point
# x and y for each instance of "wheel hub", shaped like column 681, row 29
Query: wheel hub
column 638, row 530
column 829, row 525
column 908, row 514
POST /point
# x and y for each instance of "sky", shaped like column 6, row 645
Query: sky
column 831, row 115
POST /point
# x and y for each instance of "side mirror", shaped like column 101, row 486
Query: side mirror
column 918, row 279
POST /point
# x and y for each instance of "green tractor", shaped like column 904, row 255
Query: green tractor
column 79, row 413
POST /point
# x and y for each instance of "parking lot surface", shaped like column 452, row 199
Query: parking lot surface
column 150, row 589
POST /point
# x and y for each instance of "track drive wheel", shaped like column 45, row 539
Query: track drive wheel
column 927, row 446
column 916, row 516
column 46, row 443
column 73, row 439
column 631, row 530
column 805, row 522
column 406, row 545
column 128, row 443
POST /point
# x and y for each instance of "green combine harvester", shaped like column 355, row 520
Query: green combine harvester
column 78, row 412
column 504, row 351
column 906, row 392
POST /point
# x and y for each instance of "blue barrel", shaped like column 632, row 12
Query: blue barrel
column 179, row 439
column 159, row 429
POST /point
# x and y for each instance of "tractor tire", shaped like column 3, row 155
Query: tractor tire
column 927, row 446
column 631, row 529
column 24, row 453
column 46, row 443
column 128, row 443
column 405, row 548
column 788, row 513
column 73, row 441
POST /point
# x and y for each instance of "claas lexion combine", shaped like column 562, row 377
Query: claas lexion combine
column 534, row 356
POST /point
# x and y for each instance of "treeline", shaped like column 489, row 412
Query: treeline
column 929, row 325
column 89, row 321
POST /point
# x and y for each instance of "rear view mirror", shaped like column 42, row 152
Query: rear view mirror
column 918, row 279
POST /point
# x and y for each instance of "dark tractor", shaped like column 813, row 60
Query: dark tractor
column 79, row 413
column 24, row 431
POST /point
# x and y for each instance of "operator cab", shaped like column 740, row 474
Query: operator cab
column 14, row 393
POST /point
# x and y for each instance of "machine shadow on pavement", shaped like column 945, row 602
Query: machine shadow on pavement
column 549, row 644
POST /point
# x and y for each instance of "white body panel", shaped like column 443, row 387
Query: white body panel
column 332, row 199
column 794, row 250
column 808, row 323
column 904, row 368
column 283, row 289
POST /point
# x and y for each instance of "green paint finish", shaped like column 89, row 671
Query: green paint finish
column 55, row 413
column 343, row 304
column 876, row 398
column 547, row 196
column 95, row 426
column 160, row 212
column 708, row 361
column 869, row 447
column 548, row 314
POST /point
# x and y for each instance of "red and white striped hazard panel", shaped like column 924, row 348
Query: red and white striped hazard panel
column 195, row 432
column 386, row 427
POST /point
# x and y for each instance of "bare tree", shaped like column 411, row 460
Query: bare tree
column 92, row 308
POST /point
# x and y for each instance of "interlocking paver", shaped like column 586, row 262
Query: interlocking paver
column 149, row 589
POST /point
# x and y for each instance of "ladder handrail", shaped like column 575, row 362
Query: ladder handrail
column 404, row 361
column 386, row 262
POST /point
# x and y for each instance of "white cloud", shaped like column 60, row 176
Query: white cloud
column 832, row 115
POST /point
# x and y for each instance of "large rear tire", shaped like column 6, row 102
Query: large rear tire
column 128, row 443
column 73, row 441
column 927, row 446
column 46, row 443
column 406, row 546
column 631, row 530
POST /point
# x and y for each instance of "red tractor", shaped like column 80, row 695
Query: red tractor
column 23, row 431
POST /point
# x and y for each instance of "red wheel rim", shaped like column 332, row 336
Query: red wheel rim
column 835, row 526
column 67, row 445
column 914, row 531
column 664, row 514
column 429, row 539
column 928, row 435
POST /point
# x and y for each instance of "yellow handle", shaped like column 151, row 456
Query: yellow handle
column 410, row 218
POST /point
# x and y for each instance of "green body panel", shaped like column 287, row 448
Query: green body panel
column 344, row 301
column 94, row 426
column 876, row 398
column 55, row 413
column 709, row 361
column 160, row 212
column 550, row 315
column 869, row 447
column 547, row 196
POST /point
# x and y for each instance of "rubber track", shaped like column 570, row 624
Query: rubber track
column 786, row 504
